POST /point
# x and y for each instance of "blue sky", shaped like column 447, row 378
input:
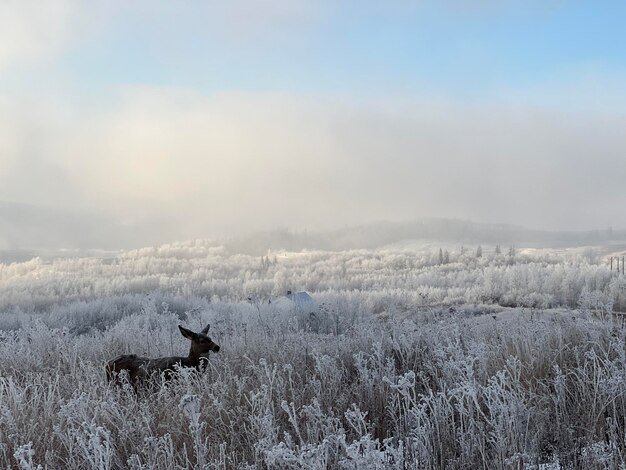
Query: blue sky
column 334, row 113
column 463, row 48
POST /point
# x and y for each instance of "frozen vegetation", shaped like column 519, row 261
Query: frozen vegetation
column 413, row 359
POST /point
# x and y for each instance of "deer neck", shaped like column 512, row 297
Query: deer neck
column 194, row 357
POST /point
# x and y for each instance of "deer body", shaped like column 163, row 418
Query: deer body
column 139, row 368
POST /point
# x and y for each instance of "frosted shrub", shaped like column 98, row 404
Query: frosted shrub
column 86, row 294
column 368, row 453
column 509, row 415
column 156, row 453
column 190, row 405
column 94, row 444
column 24, row 455
column 595, row 302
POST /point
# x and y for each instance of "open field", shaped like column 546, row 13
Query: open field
column 499, row 361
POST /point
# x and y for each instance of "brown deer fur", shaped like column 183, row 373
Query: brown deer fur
column 138, row 368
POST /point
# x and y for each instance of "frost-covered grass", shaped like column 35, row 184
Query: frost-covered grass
column 449, row 391
column 379, row 377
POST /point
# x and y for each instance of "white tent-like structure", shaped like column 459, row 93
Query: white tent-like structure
column 301, row 302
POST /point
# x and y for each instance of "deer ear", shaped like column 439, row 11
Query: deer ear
column 187, row 333
column 206, row 329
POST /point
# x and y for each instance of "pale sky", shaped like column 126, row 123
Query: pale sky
column 198, row 119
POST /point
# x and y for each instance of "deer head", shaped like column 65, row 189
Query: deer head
column 200, row 342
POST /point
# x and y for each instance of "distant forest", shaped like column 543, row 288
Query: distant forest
column 27, row 231
column 377, row 235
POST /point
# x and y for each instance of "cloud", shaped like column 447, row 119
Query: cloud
column 236, row 159
column 251, row 18
column 33, row 167
column 202, row 165
column 33, row 30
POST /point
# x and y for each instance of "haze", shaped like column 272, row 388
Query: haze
column 153, row 121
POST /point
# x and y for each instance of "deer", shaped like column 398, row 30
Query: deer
column 139, row 368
